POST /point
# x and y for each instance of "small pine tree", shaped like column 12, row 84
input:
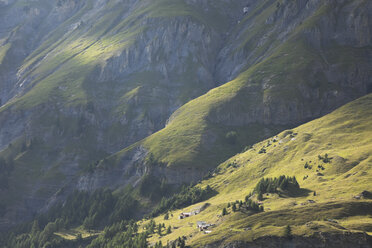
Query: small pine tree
column 181, row 242
column 169, row 230
column 288, row 231
column 224, row 212
column 260, row 197
column 233, row 207
column 159, row 245
column 166, row 216
column 35, row 227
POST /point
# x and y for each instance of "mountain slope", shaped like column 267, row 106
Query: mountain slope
column 345, row 135
column 87, row 85
column 300, row 73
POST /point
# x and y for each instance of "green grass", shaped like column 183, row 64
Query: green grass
column 345, row 135
column 305, row 221
column 72, row 234
column 3, row 50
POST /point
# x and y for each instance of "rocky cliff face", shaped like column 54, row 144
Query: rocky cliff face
column 81, row 80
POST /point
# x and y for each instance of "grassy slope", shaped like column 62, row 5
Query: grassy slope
column 280, row 76
column 345, row 135
column 181, row 141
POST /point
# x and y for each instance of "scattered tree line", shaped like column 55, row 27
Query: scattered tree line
column 189, row 195
column 92, row 210
column 122, row 234
column 126, row 234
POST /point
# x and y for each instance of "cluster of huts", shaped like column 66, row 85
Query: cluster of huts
column 203, row 226
column 185, row 215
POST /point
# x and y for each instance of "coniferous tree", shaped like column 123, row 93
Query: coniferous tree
column 233, row 208
column 159, row 229
column 166, row 216
column 224, row 212
column 288, row 231
column 260, row 196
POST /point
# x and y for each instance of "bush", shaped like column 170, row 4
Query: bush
column 263, row 150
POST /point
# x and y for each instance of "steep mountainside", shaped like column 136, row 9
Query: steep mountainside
column 337, row 211
column 311, row 58
column 179, row 85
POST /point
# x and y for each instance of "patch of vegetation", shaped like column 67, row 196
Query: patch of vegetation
column 246, row 205
column 187, row 196
column 89, row 210
column 277, row 184
column 123, row 235
column 326, row 159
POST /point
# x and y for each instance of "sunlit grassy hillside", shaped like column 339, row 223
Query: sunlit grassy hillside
column 344, row 135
